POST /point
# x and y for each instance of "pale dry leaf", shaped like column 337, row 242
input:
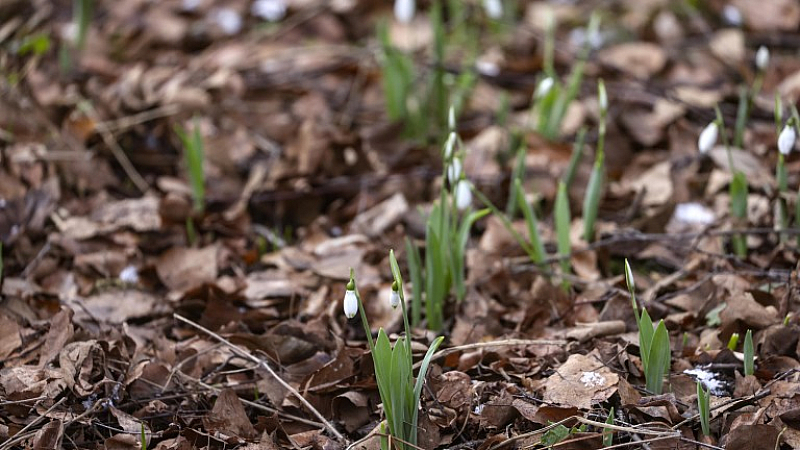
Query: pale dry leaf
column 582, row 381
column 770, row 15
column 728, row 46
column 181, row 269
column 641, row 60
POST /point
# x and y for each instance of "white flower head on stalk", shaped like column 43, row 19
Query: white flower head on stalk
column 394, row 297
column 493, row 8
column 350, row 300
column 450, row 145
column 463, row 194
column 602, row 97
column 786, row 139
column 762, row 58
column 708, row 137
column 544, row 87
column 629, row 276
column 451, row 119
column 454, row 171
column 404, row 10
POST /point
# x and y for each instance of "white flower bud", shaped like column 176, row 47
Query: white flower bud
column 629, row 276
column 450, row 145
column 404, row 10
column 463, row 195
column 544, row 87
column 708, row 137
column 454, row 171
column 494, row 8
column 350, row 304
column 451, row 119
column 602, row 97
column 786, row 139
column 762, row 58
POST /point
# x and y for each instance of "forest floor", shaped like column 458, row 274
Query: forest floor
column 145, row 304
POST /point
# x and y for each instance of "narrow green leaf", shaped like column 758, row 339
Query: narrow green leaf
column 591, row 201
column 645, row 337
column 608, row 434
column 659, row 359
column 749, row 354
column 738, row 192
column 563, row 223
column 415, row 268
column 532, row 223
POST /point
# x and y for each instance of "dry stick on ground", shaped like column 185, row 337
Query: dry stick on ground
column 22, row 435
column 247, row 355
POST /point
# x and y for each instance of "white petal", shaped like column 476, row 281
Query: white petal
column 454, row 171
column 629, row 276
column 271, row 10
column 404, row 10
column 494, row 8
column 762, row 58
column 544, row 87
column 350, row 304
column 450, row 145
column 451, row 119
column 463, row 195
column 602, row 97
column 394, row 299
column 708, row 137
column 786, row 140
column 228, row 20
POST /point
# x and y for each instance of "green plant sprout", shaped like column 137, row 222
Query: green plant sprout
column 733, row 341
column 786, row 320
column 749, row 353
column 193, row 154
column 563, row 222
column 591, row 201
column 746, row 95
column 703, row 402
column 608, row 434
column 399, row 391
column 654, row 345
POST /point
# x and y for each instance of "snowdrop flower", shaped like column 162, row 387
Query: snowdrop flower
column 454, row 171
column 270, row 10
column 129, row 275
column 762, row 58
column 786, row 139
column 544, row 87
column 228, row 19
column 450, row 145
column 602, row 97
column 493, row 8
column 629, row 277
column 463, row 195
column 732, row 15
column 708, row 137
column 350, row 300
column 451, row 119
column 394, row 297
column 404, row 10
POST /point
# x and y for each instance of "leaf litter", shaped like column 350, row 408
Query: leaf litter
column 127, row 316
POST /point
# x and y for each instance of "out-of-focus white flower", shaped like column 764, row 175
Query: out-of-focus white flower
column 190, row 5
column 732, row 15
column 602, row 97
column 708, row 137
column 129, row 275
column 450, row 145
column 350, row 301
column 394, row 297
column 451, row 119
column 693, row 213
column 463, row 195
column 228, row 20
column 494, row 8
column 544, row 87
column 487, row 68
column 762, row 58
column 786, row 139
column 404, row 10
column 454, row 171
column 271, row 10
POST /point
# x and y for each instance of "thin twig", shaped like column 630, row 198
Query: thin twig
column 500, row 343
column 247, row 355
column 21, row 435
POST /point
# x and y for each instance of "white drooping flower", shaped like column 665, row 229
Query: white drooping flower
column 463, row 195
column 451, row 119
column 228, row 19
column 544, row 87
column 708, row 137
column 270, row 10
column 493, row 8
column 732, row 15
column 350, row 301
column 786, row 139
column 404, row 10
column 394, row 297
column 762, row 58
column 454, row 171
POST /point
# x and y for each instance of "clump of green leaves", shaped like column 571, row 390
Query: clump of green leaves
column 446, row 235
column 703, row 401
column 558, row 433
column 608, row 434
column 591, row 202
column 654, row 345
column 193, row 155
column 400, row 392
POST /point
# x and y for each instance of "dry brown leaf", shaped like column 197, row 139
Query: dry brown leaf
column 229, row 418
column 641, row 60
column 770, row 15
column 10, row 338
column 728, row 45
column 581, row 382
column 61, row 331
column 181, row 269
